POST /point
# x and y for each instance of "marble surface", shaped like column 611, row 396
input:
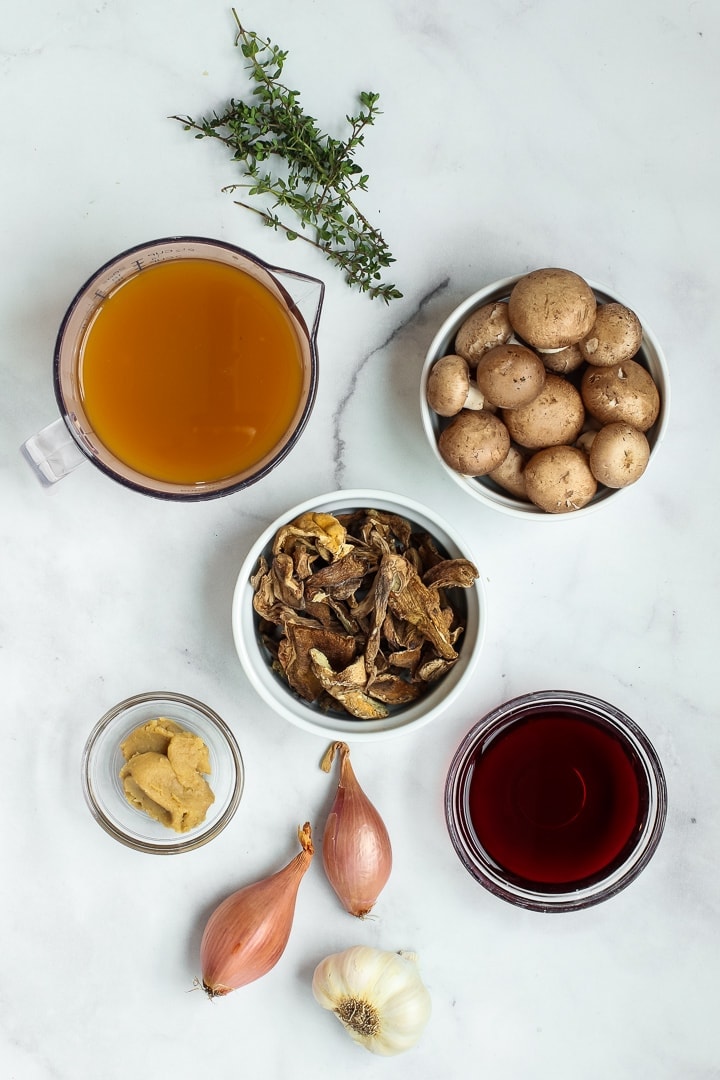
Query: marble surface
column 515, row 134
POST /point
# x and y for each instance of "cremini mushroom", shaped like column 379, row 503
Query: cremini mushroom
column 474, row 443
column 616, row 336
column 484, row 328
column 510, row 473
column 619, row 455
column 625, row 392
column 510, row 375
column 450, row 388
column 558, row 479
column 554, row 417
column 552, row 308
column 563, row 361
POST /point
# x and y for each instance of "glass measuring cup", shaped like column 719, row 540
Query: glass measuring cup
column 72, row 439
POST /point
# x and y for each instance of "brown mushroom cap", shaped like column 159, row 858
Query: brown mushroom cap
column 619, row 455
column 558, row 479
column 616, row 336
column 510, row 473
column 554, row 417
column 510, row 375
column 624, row 392
column 484, row 328
column 552, row 308
column 449, row 388
column 563, row 361
column 474, row 443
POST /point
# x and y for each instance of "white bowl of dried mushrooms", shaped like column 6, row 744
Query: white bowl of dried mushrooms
column 358, row 614
column 544, row 396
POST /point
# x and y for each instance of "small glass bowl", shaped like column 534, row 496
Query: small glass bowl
column 257, row 661
column 102, row 761
column 483, row 488
column 586, row 818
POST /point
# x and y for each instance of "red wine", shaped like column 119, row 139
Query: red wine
column 556, row 797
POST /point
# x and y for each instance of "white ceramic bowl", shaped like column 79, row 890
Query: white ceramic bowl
column 482, row 488
column 103, row 760
column 256, row 660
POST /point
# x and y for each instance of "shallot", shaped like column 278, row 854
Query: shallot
column 356, row 849
column 246, row 935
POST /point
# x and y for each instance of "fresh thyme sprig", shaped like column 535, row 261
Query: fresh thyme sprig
column 319, row 177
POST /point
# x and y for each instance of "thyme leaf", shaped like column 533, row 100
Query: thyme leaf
column 299, row 173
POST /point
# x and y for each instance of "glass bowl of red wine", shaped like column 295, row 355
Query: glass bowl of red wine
column 555, row 801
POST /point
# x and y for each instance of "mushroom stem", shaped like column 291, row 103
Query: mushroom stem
column 475, row 399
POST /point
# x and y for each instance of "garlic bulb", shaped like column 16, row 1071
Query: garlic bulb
column 378, row 996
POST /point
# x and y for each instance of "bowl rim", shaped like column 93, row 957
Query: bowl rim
column 205, row 831
column 576, row 897
column 474, row 486
column 281, row 699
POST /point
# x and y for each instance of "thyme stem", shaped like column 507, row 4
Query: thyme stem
column 319, row 177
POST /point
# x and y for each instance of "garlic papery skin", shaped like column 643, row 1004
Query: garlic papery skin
column 246, row 935
column 356, row 849
column 377, row 996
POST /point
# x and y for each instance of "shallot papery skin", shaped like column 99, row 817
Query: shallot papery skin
column 356, row 849
column 247, row 933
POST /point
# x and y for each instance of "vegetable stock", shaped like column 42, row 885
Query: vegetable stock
column 191, row 371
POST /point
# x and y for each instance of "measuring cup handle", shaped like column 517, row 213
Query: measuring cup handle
column 53, row 453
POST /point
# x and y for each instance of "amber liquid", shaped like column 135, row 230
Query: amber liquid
column 191, row 371
column 557, row 799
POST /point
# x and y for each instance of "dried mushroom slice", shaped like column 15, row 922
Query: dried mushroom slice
column 378, row 529
column 257, row 577
column 304, row 559
column 451, row 573
column 420, row 606
column 264, row 599
column 328, row 534
column 294, row 656
column 286, row 586
column 394, row 690
column 427, row 550
column 342, row 578
column 400, row 635
column 392, row 577
column 272, row 610
column 406, row 660
column 325, row 614
column 348, row 687
column 433, row 669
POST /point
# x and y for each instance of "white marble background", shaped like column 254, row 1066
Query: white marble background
column 515, row 134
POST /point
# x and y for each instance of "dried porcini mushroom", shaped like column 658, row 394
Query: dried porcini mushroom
column 354, row 612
